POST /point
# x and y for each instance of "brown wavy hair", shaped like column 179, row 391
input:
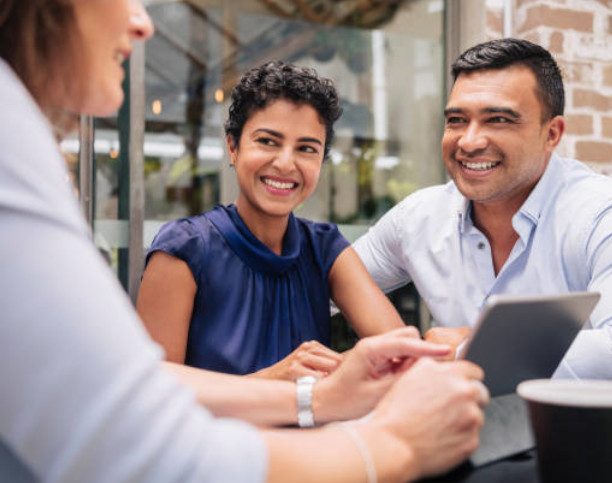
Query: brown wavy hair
column 39, row 40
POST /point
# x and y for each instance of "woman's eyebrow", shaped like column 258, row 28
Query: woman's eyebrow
column 271, row 132
column 280, row 135
column 310, row 140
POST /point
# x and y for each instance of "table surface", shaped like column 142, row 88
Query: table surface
column 522, row 468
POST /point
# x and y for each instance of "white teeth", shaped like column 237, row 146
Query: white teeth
column 480, row 166
column 278, row 184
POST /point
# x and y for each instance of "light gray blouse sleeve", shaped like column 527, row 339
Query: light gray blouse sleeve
column 83, row 395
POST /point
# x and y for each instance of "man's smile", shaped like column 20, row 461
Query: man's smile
column 479, row 165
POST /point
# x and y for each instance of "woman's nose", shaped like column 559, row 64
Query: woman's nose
column 284, row 160
column 141, row 26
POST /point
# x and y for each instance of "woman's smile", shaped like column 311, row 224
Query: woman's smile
column 277, row 160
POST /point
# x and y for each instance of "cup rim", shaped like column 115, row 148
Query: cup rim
column 588, row 393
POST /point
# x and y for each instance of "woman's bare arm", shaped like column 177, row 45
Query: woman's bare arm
column 366, row 307
column 165, row 303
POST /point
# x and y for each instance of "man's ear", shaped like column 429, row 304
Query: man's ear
column 556, row 128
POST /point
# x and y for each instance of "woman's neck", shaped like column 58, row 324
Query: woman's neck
column 268, row 229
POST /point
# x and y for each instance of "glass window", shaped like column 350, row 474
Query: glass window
column 386, row 59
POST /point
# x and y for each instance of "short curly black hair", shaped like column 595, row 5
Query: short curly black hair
column 502, row 53
column 279, row 80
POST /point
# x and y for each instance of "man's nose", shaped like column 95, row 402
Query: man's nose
column 473, row 139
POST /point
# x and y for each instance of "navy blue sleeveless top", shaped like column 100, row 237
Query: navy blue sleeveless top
column 252, row 307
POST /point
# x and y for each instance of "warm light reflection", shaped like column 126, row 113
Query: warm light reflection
column 219, row 95
column 156, row 107
column 113, row 153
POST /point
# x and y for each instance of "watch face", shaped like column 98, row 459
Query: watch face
column 304, row 387
column 306, row 380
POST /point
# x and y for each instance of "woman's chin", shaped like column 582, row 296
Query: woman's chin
column 103, row 106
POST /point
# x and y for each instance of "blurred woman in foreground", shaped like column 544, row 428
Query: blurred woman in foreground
column 84, row 394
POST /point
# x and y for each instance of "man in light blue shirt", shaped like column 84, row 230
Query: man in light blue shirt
column 515, row 219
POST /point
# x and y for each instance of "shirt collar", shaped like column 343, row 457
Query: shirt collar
column 531, row 208
column 249, row 248
column 534, row 204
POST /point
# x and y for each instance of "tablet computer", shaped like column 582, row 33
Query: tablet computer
column 525, row 337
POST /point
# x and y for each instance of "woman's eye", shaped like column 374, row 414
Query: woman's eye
column 308, row 149
column 266, row 141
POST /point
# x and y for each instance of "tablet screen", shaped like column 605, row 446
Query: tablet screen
column 519, row 338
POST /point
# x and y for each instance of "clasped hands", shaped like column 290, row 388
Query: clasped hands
column 314, row 359
column 431, row 409
column 354, row 382
column 417, row 406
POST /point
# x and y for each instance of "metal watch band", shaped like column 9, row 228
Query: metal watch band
column 303, row 388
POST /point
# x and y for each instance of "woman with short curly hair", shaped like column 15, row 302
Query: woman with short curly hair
column 245, row 288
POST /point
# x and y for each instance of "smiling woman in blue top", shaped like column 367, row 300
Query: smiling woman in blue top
column 245, row 288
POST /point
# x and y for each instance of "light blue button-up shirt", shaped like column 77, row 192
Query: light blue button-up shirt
column 564, row 245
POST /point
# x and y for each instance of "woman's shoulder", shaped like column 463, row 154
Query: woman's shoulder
column 319, row 229
column 188, row 226
column 324, row 238
column 190, row 230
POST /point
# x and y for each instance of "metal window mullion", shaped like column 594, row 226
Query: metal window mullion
column 452, row 38
column 136, row 169
column 86, row 167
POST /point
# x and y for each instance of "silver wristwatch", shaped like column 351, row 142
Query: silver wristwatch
column 303, row 390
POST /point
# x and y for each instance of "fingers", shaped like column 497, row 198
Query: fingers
column 408, row 331
column 317, row 363
column 315, row 347
column 468, row 369
column 400, row 345
column 312, row 359
column 447, row 334
column 482, row 393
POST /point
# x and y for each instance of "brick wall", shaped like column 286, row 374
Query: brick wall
column 579, row 34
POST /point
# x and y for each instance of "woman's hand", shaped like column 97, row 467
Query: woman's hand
column 309, row 359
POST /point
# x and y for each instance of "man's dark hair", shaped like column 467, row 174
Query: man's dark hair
column 501, row 53
column 278, row 80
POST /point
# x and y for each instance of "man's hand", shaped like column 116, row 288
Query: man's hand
column 368, row 371
column 309, row 359
column 452, row 336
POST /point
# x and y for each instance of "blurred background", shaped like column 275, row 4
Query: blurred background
column 163, row 156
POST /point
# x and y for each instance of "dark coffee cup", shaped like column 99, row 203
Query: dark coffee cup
column 572, row 425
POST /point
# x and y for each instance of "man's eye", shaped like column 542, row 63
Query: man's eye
column 454, row 120
column 499, row 120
